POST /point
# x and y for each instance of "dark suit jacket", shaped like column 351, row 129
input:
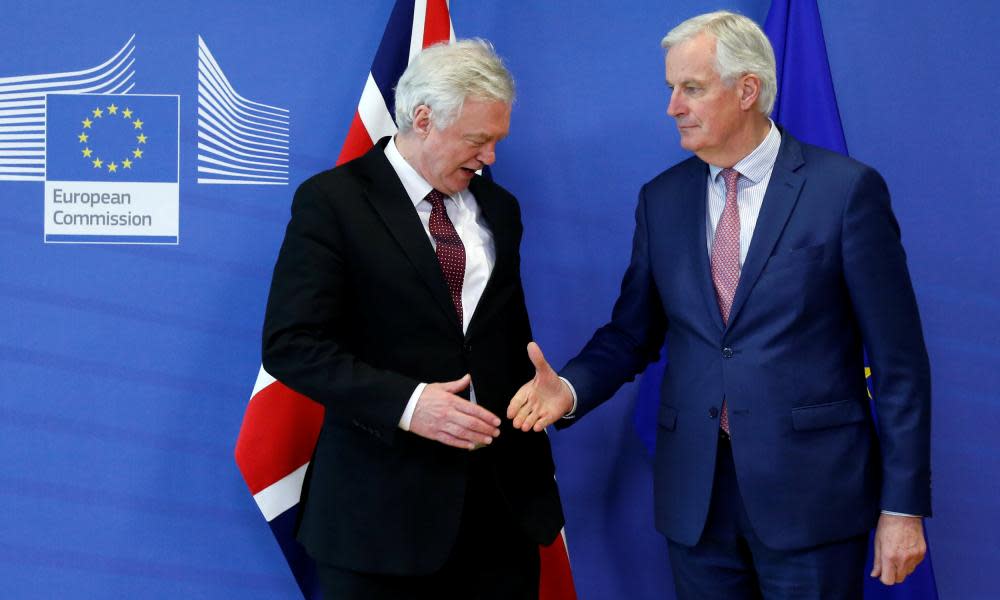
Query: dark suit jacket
column 825, row 274
column 358, row 314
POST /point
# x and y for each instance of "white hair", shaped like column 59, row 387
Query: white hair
column 444, row 75
column 741, row 47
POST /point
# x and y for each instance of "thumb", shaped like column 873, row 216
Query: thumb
column 458, row 385
column 538, row 359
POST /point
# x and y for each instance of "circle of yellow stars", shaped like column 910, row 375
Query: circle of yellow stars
column 111, row 110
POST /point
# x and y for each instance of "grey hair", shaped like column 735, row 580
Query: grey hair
column 444, row 75
column 741, row 47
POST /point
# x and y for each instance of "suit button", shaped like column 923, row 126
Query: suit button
column 467, row 348
column 727, row 352
column 713, row 412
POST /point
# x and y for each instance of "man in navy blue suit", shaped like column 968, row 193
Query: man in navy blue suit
column 768, row 266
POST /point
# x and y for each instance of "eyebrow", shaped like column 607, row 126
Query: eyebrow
column 686, row 82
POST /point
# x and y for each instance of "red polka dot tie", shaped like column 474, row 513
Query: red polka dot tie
column 449, row 248
column 726, row 260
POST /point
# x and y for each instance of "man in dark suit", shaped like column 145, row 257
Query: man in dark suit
column 397, row 303
column 768, row 266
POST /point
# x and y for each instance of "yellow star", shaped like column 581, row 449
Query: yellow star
column 82, row 137
column 137, row 124
column 112, row 110
column 142, row 138
column 127, row 163
column 98, row 113
column 127, row 113
column 112, row 168
column 97, row 163
column 87, row 152
column 87, row 123
column 137, row 153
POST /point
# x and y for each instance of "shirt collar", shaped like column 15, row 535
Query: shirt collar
column 756, row 165
column 416, row 186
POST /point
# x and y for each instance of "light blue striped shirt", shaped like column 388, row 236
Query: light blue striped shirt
column 755, row 172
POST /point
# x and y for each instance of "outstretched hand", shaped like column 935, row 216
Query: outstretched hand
column 443, row 416
column 543, row 400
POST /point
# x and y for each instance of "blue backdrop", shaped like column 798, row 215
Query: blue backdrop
column 126, row 368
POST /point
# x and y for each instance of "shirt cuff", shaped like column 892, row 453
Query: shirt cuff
column 411, row 405
column 899, row 514
column 572, row 390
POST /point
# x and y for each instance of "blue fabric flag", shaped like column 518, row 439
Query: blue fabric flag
column 806, row 105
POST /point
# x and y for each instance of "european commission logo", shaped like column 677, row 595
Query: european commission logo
column 112, row 168
column 109, row 158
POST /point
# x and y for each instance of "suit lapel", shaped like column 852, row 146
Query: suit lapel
column 387, row 196
column 504, row 242
column 697, row 243
column 779, row 200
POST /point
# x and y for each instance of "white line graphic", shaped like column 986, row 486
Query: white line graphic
column 22, row 108
column 239, row 141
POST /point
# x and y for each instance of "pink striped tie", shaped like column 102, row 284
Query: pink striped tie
column 726, row 260
column 448, row 247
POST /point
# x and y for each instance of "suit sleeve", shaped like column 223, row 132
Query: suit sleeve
column 308, row 313
column 882, row 296
column 621, row 349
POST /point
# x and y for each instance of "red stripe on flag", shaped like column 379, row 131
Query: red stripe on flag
column 358, row 141
column 279, row 433
column 437, row 23
column 556, row 581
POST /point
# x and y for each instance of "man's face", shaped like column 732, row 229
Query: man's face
column 449, row 157
column 708, row 113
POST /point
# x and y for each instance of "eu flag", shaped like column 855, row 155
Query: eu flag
column 120, row 138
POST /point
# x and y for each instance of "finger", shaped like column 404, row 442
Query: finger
column 877, row 562
column 475, row 426
column 523, row 408
column 450, row 440
column 458, row 431
column 526, row 417
column 543, row 421
column 888, row 572
column 517, row 401
column 538, row 359
column 477, row 412
column 458, row 385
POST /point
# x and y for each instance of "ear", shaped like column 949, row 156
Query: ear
column 749, row 87
column 422, row 120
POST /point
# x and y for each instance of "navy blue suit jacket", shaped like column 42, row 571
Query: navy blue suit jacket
column 824, row 279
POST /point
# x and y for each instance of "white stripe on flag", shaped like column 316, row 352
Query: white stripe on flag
column 451, row 24
column 374, row 113
column 282, row 494
column 417, row 31
column 264, row 379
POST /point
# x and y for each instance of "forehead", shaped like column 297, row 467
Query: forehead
column 488, row 117
column 692, row 60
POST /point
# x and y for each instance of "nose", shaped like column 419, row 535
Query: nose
column 487, row 154
column 676, row 106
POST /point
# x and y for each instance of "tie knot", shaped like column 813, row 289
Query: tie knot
column 436, row 198
column 730, row 176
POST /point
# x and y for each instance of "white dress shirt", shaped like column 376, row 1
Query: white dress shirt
column 755, row 172
column 480, row 251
